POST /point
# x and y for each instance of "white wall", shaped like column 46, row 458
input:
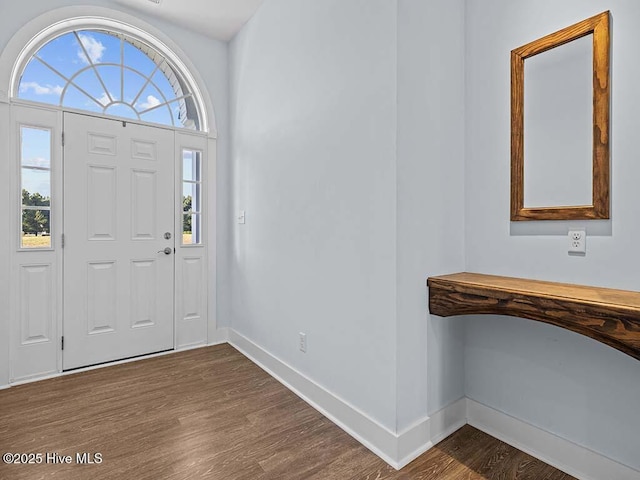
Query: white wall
column 313, row 121
column 430, row 196
column 348, row 153
column 554, row 379
column 210, row 60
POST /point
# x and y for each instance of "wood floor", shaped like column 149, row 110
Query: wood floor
column 211, row 413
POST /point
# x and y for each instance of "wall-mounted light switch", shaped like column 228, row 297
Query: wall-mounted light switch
column 241, row 217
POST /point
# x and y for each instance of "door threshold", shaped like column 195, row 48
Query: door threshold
column 112, row 363
column 118, row 361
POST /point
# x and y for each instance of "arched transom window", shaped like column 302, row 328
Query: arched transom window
column 109, row 73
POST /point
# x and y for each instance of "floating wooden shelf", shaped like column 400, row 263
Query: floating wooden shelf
column 609, row 316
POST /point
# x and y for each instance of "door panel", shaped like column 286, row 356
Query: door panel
column 37, row 296
column 118, row 204
column 101, row 202
column 101, row 298
column 143, row 293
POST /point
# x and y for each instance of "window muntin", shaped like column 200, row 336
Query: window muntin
column 109, row 73
column 191, row 197
column 35, row 187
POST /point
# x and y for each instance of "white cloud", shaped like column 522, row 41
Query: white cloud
column 104, row 99
column 95, row 49
column 150, row 103
column 40, row 89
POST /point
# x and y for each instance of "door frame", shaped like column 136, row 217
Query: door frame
column 10, row 56
column 9, row 116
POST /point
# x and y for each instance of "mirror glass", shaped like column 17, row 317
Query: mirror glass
column 558, row 128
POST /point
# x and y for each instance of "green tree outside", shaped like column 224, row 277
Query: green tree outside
column 186, row 220
column 35, row 221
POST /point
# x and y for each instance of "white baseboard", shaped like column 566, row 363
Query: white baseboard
column 562, row 454
column 367, row 431
column 395, row 449
column 426, row 433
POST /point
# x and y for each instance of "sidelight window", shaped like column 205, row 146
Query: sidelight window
column 191, row 197
column 35, row 182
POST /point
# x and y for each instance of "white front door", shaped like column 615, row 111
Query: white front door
column 119, row 240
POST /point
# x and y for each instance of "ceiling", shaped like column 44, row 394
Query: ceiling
column 220, row 19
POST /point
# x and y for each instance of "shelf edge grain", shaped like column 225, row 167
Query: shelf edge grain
column 609, row 316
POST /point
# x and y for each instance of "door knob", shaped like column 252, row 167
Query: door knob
column 166, row 251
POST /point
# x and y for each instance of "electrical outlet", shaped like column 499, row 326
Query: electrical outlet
column 303, row 342
column 577, row 241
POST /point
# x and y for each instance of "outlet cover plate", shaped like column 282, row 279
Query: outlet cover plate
column 578, row 241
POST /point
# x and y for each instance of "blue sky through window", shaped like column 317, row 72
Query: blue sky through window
column 36, row 153
column 104, row 73
column 40, row 84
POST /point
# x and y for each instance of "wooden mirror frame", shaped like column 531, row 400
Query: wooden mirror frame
column 599, row 27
